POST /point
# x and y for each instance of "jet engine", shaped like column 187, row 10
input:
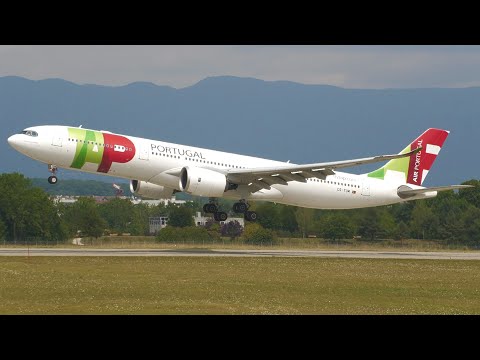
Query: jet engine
column 202, row 182
column 149, row 190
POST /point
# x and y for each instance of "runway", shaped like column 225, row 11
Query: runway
column 237, row 253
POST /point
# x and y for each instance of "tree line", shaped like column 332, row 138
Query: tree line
column 451, row 217
column 28, row 211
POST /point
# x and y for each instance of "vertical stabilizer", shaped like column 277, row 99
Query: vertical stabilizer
column 414, row 169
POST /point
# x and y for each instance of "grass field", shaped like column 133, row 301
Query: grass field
column 225, row 285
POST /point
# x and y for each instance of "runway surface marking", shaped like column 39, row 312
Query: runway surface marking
column 250, row 253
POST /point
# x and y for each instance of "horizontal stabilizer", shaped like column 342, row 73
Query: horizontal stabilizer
column 406, row 192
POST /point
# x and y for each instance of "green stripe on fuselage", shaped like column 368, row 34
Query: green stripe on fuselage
column 89, row 147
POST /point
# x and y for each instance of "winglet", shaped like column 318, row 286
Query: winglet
column 398, row 156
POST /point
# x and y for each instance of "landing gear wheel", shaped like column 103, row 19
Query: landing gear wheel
column 220, row 216
column 240, row 208
column 210, row 208
column 52, row 179
column 53, row 169
column 251, row 216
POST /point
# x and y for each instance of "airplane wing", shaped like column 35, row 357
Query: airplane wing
column 263, row 178
column 406, row 192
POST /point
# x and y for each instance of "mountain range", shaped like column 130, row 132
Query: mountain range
column 279, row 120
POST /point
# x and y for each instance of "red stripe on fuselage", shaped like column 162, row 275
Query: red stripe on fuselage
column 113, row 152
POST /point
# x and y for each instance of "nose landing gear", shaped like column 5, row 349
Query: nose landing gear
column 53, row 169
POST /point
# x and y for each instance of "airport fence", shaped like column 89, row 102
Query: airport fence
column 286, row 243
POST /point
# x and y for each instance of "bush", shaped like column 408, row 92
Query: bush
column 173, row 234
column 232, row 229
column 255, row 234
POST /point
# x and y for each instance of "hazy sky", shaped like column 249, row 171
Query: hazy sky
column 180, row 66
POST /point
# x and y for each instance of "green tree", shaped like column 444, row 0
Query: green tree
column 471, row 195
column 139, row 223
column 195, row 205
column 287, row 219
column 304, row 219
column 268, row 215
column 180, row 216
column 448, row 208
column 402, row 212
column 158, row 210
column 401, row 231
column 336, row 226
column 13, row 203
column 118, row 213
column 369, row 225
column 451, row 227
column 83, row 216
column 3, row 230
column 27, row 211
column 387, row 223
column 43, row 218
column 424, row 222
column 470, row 220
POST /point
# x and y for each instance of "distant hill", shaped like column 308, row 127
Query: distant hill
column 279, row 120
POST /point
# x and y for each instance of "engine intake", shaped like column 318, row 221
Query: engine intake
column 202, row 182
column 149, row 190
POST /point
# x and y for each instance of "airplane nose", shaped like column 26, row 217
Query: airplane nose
column 13, row 141
column 16, row 142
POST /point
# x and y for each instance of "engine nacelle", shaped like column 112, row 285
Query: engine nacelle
column 149, row 190
column 202, row 182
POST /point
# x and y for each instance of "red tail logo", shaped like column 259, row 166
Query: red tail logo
column 420, row 163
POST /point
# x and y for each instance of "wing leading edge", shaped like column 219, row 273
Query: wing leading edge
column 263, row 178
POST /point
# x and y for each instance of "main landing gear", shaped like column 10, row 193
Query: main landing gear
column 212, row 208
column 240, row 207
column 53, row 169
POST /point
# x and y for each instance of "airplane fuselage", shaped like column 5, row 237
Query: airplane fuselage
column 159, row 163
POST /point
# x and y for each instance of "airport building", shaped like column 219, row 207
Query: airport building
column 157, row 223
column 102, row 199
column 201, row 220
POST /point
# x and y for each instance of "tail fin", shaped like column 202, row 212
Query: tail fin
column 414, row 169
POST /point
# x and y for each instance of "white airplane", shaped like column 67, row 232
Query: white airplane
column 158, row 169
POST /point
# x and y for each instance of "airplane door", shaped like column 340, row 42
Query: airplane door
column 57, row 141
column 366, row 189
column 144, row 152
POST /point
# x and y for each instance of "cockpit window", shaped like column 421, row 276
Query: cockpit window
column 30, row 133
